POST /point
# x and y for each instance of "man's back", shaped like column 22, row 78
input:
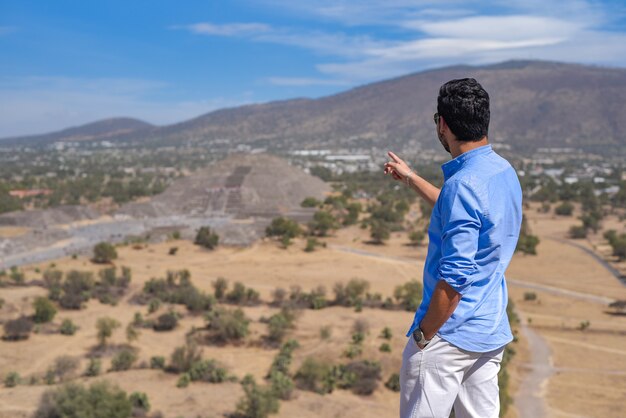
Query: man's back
column 473, row 232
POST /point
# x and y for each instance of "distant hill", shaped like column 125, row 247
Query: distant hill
column 95, row 131
column 534, row 104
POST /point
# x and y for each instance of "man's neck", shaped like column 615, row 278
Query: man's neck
column 459, row 147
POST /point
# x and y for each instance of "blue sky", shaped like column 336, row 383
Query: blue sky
column 65, row 63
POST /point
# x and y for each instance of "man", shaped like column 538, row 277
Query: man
column 457, row 338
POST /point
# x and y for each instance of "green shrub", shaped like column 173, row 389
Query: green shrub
column 350, row 293
column 240, row 295
column 257, row 402
column 417, row 237
column 76, row 289
column 184, row 357
column 282, row 385
column 166, row 322
column 17, row 329
column 207, row 371
column 283, row 227
column 154, row 305
column 530, row 296
column 322, row 223
column 94, row 367
column 279, row 324
column 409, row 295
column 220, row 285
column 310, row 202
column 44, row 310
column 139, row 401
column 564, row 209
column 393, row 383
column 385, row 348
column 67, row 327
column 105, row 327
column 315, row 376
column 360, row 376
column 183, row 381
column 386, row 333
column 100, row 400
column 325, row 332
column 123, row 360
column 12, row 379
column 577, row 232
column 379, row 232
column 282, row 361
column 157, row 362
column 65, row 367
column 228, row 325
column 103, row 253
column 206, row 238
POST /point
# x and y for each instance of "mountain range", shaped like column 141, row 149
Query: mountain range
column 533, row 104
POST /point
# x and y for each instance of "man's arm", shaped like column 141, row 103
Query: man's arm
column 461, row 222
column 400, row 171
column 442, row 303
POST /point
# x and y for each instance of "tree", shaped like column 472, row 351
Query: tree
column 564, row 209
column 206, row 238
column 44, row 310
column 105, row 327
column 379, row 232
column 103, row 253
column 416, row 237
column 283, row 227
column 220, row 285
column 323, row 221
column 310, row 202
column 577, row 232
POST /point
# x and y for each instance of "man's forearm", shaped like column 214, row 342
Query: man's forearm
column 442, row 304
column 426, row 190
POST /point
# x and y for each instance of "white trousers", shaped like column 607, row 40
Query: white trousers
column 443, row 376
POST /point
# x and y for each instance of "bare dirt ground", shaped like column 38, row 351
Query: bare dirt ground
column 587, row 368
column 587, row 375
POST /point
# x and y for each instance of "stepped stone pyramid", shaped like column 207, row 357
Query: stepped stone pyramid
column 242, row 185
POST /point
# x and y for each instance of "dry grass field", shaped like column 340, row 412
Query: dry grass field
column 589, row 367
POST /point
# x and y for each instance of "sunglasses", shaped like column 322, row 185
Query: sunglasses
column 436, row 118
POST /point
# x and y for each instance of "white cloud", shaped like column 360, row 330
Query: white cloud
column 32, row 105
column 232, row 29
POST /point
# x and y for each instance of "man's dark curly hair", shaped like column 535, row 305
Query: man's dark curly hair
column 464, row 105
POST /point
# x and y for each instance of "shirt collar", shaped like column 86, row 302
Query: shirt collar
column 452, row 166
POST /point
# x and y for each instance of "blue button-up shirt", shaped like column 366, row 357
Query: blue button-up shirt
column 474, row 228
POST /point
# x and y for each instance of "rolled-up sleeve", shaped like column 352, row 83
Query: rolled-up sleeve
column 461, row 222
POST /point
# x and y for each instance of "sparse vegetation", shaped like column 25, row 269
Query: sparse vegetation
column 409, row 295
column 104, row 253
column 99, row 400
column 227, row 325
column 123, row 360
column 206, row 238
column 68, row 327
column 44, row 310
column 258, row 402
column 166, row 322
column 351, row 293
column 17, row 329
column 12, row 379
column 105, row 327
